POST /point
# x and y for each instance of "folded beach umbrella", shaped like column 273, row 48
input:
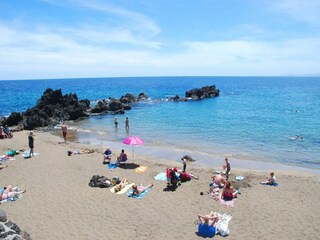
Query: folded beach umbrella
column 133, row 140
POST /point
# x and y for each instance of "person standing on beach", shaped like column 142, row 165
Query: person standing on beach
column 64, row 129
column 31, row 143
column 227, row 167
column 116, row 122
column 184, row 164
column 127, row 123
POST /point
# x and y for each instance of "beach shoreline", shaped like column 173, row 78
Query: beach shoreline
column 59, row 204
column 175, row 152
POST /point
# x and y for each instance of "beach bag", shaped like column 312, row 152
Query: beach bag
column 222, row 225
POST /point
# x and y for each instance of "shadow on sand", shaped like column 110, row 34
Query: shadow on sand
column 129, row 166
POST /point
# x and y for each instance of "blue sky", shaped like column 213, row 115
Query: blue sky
column 115, row 38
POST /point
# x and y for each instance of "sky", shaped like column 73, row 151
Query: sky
column 45, row 39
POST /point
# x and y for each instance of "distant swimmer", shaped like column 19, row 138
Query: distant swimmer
column 296, row 137
column 127, row 123
column 116, row 122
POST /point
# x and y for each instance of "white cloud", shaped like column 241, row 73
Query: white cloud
column 54, row 54
column 306, row 10
column 135, row 21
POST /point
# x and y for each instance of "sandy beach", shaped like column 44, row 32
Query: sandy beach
column 59, row 204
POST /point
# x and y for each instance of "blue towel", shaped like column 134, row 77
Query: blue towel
column 129, row 194
column 161, row 176
column 267, row 184
column 112, row 165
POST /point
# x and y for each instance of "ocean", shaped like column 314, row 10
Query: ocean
column 255, row 119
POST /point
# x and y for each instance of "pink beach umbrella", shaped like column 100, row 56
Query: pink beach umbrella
column 133, row 140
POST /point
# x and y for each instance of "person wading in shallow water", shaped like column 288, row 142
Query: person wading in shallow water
column 64, row 129
column 127, row 123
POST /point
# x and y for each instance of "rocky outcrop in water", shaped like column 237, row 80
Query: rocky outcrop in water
column 10, row 230
column 51, row 108
column 204, row 92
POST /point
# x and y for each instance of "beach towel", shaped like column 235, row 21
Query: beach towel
column 130, row 194
column 112, row 165
column 141, row 169
column 123, row 190
column 161, row 177
column 228, row 203
column 267, row 184
column 26, row 154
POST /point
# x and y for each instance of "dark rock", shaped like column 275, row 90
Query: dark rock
column 115, row 105
column 100, row 107
column 204, row 92
column 13, row 227
column 142, row 96
column 128, row 99
column 51, row 108
column 188, row 158
column 17, row 237
column 2, row 228
column 85, row 103
column 14, row 119
column 175, row 98
column 3, row 216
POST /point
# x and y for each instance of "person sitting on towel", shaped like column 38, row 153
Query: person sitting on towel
column 228, row 192
column 271, row 180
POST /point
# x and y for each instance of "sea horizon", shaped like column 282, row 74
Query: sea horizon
column 255, row 119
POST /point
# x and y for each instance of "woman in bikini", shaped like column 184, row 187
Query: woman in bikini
column 228, row 192
column 137, row 190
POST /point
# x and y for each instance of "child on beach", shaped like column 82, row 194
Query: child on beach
column 184, row 164
column 271, row 180
column 227, row 167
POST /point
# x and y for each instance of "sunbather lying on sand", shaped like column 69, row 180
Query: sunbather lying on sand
column 137, row 190
column 210, row 219
column 121, row 185
column 9, row 192
column 79, row 152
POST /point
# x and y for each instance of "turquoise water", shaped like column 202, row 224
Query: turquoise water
column 254, row 118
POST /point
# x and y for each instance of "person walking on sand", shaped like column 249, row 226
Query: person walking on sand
column 31, row 143
column 64, row 129
column 227, row 167
column 127, row 123
column 116, row 122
